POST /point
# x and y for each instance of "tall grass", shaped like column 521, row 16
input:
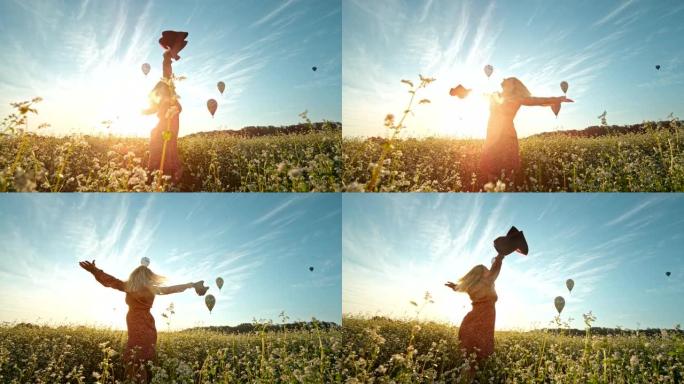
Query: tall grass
column 69, row 354
column 641, row 162
column 382, row 350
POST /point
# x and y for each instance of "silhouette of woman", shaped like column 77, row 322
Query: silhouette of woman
column 500, row 154
column 140, row 288
column 164, row 102
column 476, row 332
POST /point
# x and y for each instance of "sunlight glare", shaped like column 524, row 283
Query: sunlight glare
column 117, row 93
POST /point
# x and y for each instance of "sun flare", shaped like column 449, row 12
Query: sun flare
column 109, row 100
column 465, row 118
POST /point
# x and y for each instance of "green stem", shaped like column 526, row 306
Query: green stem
column 388, row 145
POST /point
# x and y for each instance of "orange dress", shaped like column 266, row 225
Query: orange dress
column 172, row 164
column 500, row 151
column 142, row 333
column 476, row 333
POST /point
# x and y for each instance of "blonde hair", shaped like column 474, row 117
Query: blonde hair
column 471, row 278
column 158, row 93
column 143, row 278
column 519, row 90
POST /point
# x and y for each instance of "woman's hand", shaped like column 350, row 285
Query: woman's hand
column 88, row 266
column 451, row 285
column 168, row 54
column 564, row 99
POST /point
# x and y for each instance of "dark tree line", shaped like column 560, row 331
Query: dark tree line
column 252, row 131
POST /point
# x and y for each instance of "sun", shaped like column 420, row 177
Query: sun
column 450, row 116
column 465, row 118
column 113, row 98
column 126, row 97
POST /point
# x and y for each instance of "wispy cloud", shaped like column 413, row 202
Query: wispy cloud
column 615, row 12
column 394, row 252
column 93, row 74
column 117, row 231
column 632, row 212
column 273, row 212
column 269, row 16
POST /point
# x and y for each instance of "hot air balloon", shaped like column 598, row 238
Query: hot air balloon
column 559, row 302
column 460, row 91
column 146, row 68
column 658, row 67
column 570, row 284
column 210, row 300
column 564, row 86
column 556, row 108
column 488, row 69
column 667, row 274
column 221, row 86
column 145, row 261
column 211, row 106
column 312, row 268
column 314, row 68
column 219, row 282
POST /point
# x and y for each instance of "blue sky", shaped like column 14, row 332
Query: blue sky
column 605, row 50
column 616, row 247
column 84, row 58
column 261, row 245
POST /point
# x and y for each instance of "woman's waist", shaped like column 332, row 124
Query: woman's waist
column 486, row 301
column 140, row 310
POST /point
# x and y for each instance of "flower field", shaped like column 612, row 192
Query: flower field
column 381, row 350
column 68, row 354
column 300, row 162
column 650, row 161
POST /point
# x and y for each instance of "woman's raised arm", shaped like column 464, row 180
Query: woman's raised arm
column 166, row 64
column 173, row 289
column 496, row 266
column 544, row 101
column 108, row 281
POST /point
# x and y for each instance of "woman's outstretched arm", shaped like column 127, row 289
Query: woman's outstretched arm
column 173, row 289
column 166, row 64
column 544, row 101
column 496, row 266
column 103, row 278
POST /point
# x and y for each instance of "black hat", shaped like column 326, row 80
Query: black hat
column 514, row 241
column 173, row 39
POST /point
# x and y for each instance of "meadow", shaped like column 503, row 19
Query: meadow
column 73, row 354
column 638, row 158
column 305, row 161
column 649, row 161
column 308, row 162
column 382, row 350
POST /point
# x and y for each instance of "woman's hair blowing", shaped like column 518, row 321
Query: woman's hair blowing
column 471, row 278
column 143, row 278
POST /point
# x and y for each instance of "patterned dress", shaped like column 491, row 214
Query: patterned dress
column 476, row 333
column 142, row 333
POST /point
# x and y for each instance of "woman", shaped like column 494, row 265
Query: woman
column 140, row 288
column 476, row 333
column 500, row 154
column 164, row 102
